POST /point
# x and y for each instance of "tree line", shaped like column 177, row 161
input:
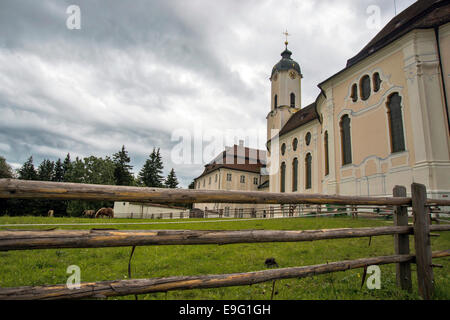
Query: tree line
column 115, row 170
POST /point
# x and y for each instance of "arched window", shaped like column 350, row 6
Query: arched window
column 327, row 164
column 308, row 163
column 275, row 101
column 365, row 87
column 396, row 123
column 355, row 92
column 346, row 140
column 283, row 177
column 292, row 100
column 295, row 144
column 283, row 149
column 295, row 175
column 376, row 82
column 308, row 138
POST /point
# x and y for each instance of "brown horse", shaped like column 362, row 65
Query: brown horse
column 89, row 213
column 108, row 212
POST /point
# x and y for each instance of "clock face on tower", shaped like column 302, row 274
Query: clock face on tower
column 292, row 74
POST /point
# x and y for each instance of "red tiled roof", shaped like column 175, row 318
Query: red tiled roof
column 301, row 117
column 237, row 158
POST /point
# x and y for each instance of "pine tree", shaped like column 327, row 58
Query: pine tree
column 192, row 185
column 122, row 169
column 151, row 173
column 45, row 170
column 59, row 171
column 67, row 167
column 5, row 169
column 27, row 171
column 171, row 180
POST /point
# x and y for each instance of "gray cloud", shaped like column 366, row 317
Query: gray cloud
column 138, row 70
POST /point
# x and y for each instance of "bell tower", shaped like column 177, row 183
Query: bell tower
column 286, row 93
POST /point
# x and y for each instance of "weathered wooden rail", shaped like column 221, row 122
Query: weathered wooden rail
column 105, row 289
column 41, row 239
column 98, row 238
column 22, row 189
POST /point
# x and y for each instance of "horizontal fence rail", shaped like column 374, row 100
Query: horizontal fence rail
column 24, row 189
column 98, row 238
column 105, row 289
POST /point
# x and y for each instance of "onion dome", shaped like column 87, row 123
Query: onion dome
column 286, row 63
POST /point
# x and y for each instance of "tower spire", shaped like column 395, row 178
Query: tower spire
column 287, row 35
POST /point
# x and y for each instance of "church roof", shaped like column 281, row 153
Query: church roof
column 237, row 158
column 423, row 14
column 286, row 63
column 301, row 117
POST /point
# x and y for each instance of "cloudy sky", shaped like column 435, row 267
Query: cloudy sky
column 141, row 73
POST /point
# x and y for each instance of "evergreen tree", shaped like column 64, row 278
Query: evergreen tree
column 67, row 166
column 45, row 170
column 151, row 173
column 59, row 171
column 76, row 172
column 122, row 169
column 171, row 180
column 5, row 169
column 192, row 185
column 99, row 170
column 27, row 171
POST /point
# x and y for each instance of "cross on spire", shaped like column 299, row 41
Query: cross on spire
column 287, row 35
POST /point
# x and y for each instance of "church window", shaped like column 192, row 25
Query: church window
column 308, row 138
column 346, row 140
column 283, row 149
column 376, row 82
column 228, row 176
column 295, row 144
column 292, row 100
column 275, row 103
column 204, row 182
column 255, row 181
column 327, row 164
column 365, row 87
column 355, row 92
column 308, row 173
column 283, row 177
column 396, row 123
column 295, row 175
column 242, row 179
column 216, row 178
column 209, row 180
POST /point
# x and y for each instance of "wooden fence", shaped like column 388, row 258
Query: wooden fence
column 26, row 239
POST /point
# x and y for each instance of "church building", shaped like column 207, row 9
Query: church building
column 381, row 121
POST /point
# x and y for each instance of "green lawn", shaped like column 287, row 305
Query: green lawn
column 38, row 267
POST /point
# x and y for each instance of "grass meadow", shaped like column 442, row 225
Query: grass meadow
column 39, row 267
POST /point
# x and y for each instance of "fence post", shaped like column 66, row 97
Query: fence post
column 422, row 242
column 401, row 242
